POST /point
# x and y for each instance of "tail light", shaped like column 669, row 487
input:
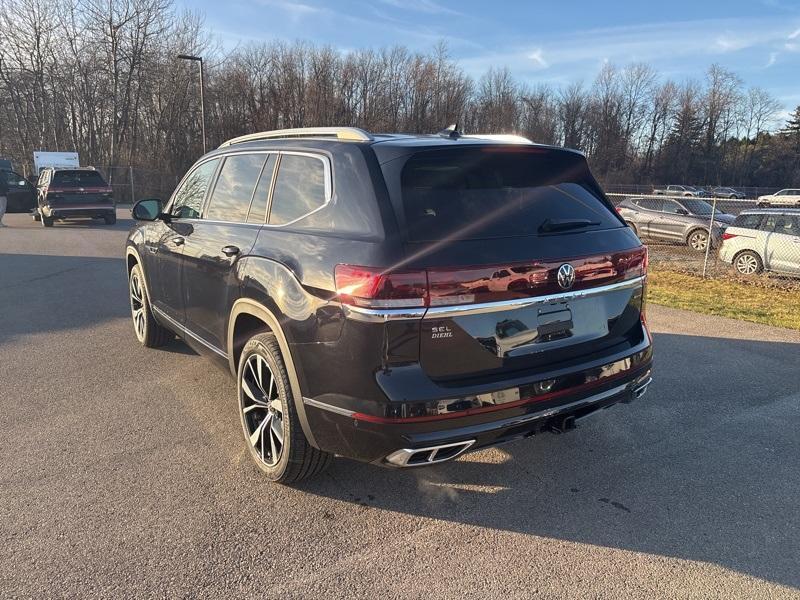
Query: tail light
column 371, row 287
column 375, row 288
column 727, row 236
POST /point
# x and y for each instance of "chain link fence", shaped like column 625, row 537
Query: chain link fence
column 717, row 237
column 134, row 183
column 749, row 192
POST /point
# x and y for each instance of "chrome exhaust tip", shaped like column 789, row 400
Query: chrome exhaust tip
column 420, row 457
column 640, row 390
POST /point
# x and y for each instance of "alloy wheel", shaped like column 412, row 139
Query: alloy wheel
column 137, row 305
column 262, row 410
column 747, row 264
column 698, row 240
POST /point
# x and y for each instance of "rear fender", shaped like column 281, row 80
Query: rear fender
column 258, row 310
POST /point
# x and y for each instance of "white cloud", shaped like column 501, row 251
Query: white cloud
column 295, row 10
column 576, row 53
column 537, row 56
column 423, row 6
column 794, row 35
column 730, row 42
column 773, row 58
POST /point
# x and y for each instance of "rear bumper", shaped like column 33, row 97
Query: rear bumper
column 428, row 440
column 78, row 210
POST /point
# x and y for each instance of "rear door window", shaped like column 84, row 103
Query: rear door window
column 233, row 191
column 671, row 207
column 651, row 203
column 299, row 188
column 497, row 192
column 258, row 208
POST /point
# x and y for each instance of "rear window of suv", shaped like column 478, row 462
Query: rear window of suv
column 495, row 192
column 77, row 179
column 750, row 221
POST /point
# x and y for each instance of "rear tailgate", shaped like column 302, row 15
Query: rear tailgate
column 527, row 263
column 79, row 187
column 521, row 317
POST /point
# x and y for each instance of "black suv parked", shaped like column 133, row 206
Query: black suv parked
column 21, row 194
column 395, row 299
column 70, row 193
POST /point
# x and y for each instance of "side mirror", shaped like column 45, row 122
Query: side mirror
column 148, row 209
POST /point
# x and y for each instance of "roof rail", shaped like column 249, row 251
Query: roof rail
column 500, row 137
column 340, row 133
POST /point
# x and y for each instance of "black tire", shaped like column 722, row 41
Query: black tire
column 46, row 221
column 748, row 263
column 110, row 219
column 268, row 412
column 148, row 331
column 36, row 216
column 697, row 239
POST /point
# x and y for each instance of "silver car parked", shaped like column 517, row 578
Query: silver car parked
column 675, row 220
column 763, row 240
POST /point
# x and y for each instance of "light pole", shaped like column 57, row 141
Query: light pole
column 202, row 99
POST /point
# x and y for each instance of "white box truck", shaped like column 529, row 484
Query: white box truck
column 58, row 160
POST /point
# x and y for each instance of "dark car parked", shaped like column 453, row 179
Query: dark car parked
column 727, row 192
column 677, row 220
column 70, row 193
column 21, row 194
column 395, row 299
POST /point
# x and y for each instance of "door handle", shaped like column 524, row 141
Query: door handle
column 178, row 241
column 230, row 251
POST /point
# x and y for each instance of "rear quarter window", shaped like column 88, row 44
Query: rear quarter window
column 497, row 192
column 299, row 188
column 747, row 221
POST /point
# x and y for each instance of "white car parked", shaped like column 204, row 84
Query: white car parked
column 787, row 197
column 763, row 240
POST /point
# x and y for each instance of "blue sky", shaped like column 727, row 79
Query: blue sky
column 543, row 42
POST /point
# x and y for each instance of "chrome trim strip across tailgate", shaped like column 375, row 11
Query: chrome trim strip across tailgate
column 439, row 312
column 382, row 315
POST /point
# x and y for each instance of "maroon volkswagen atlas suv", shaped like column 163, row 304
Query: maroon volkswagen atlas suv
column 396, row 299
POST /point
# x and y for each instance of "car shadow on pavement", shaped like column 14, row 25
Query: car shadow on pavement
column 705, row 467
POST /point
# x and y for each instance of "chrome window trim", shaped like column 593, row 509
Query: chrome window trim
column 328, row 175
column 189, row 332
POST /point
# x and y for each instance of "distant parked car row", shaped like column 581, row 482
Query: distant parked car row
column 765, row 239
column 691, row 191
column 787, row 197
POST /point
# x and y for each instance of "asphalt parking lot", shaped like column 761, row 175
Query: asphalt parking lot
column 123, row 473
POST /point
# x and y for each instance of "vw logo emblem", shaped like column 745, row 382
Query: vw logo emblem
column 566, row 276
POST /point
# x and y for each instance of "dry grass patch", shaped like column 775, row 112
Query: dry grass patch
column 746, row 300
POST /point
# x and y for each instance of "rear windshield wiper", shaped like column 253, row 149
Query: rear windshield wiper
column 550, row 225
